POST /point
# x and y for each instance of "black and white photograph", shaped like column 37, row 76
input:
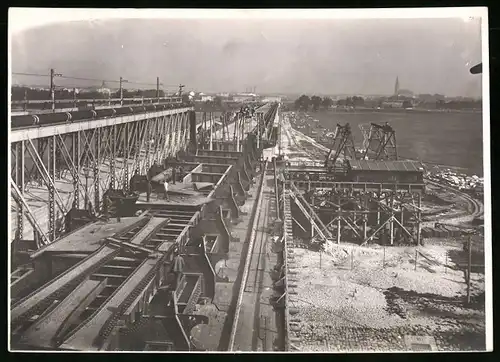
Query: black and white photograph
column 249, row 181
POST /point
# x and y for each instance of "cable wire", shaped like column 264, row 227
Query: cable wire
column 92, row 79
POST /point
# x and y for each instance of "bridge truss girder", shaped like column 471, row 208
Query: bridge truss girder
column 83, row 165
column 232, row 128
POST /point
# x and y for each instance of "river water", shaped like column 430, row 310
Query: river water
column 454, row 139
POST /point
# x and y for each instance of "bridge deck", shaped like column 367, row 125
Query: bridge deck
column 24, row 134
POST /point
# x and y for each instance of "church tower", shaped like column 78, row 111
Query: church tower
column 396, row 87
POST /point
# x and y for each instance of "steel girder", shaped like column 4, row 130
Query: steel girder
column 58, row 172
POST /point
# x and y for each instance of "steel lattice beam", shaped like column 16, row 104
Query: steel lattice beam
column 101, row 155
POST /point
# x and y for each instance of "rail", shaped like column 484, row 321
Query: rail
column 477, row 208
column 251, row 239
column 277, row 198
column 286, row 219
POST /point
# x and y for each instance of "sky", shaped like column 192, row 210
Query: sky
column 317, row 54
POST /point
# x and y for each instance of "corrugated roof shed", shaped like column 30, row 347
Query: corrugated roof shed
column 401, row 166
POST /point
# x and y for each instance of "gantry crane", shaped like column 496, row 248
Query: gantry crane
column 379, row 142
column 343, row 144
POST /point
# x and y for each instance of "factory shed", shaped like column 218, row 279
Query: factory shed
column 385, row 171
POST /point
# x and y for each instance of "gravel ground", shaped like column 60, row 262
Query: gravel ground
column 365, row 303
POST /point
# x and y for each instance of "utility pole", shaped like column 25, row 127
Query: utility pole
column 53, row 74
column 25, row 100
column 279, row 130
column 469, row 268
column 211, row 131
column 158, row 89
column 121, row 89
column 237, row 129
column 258, row 131
column 52, row 95
column 224, row 121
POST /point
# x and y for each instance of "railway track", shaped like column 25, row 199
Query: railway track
column 254, row 324
column 474, row 207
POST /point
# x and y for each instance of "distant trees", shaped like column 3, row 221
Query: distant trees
column 407, row 104
column 218, row 101
column 459, row 104
column 351, row 102
column 303, row 103
column 316, row 103
column 428, row 101
column 327, row 102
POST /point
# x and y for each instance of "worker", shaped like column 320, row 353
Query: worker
column 178, row 267
column 148, row 191
column 181, row 174
column 106, row 205
column 308, row 182
column 119, row 207
column 165, row 186
column 132, row 182
column 90, row 208
column 174, row 173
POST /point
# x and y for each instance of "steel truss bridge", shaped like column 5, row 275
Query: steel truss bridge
column 55, row 168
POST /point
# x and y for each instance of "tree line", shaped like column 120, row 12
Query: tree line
column 315, row 103
column 305, row 103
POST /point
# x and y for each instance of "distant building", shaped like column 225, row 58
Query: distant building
column 102, row 89
column 392, row 104
column 71, row 90
column 207, row 98
column 242, row 99
column 396, row 87
column 271, row 99
column 405, row 93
